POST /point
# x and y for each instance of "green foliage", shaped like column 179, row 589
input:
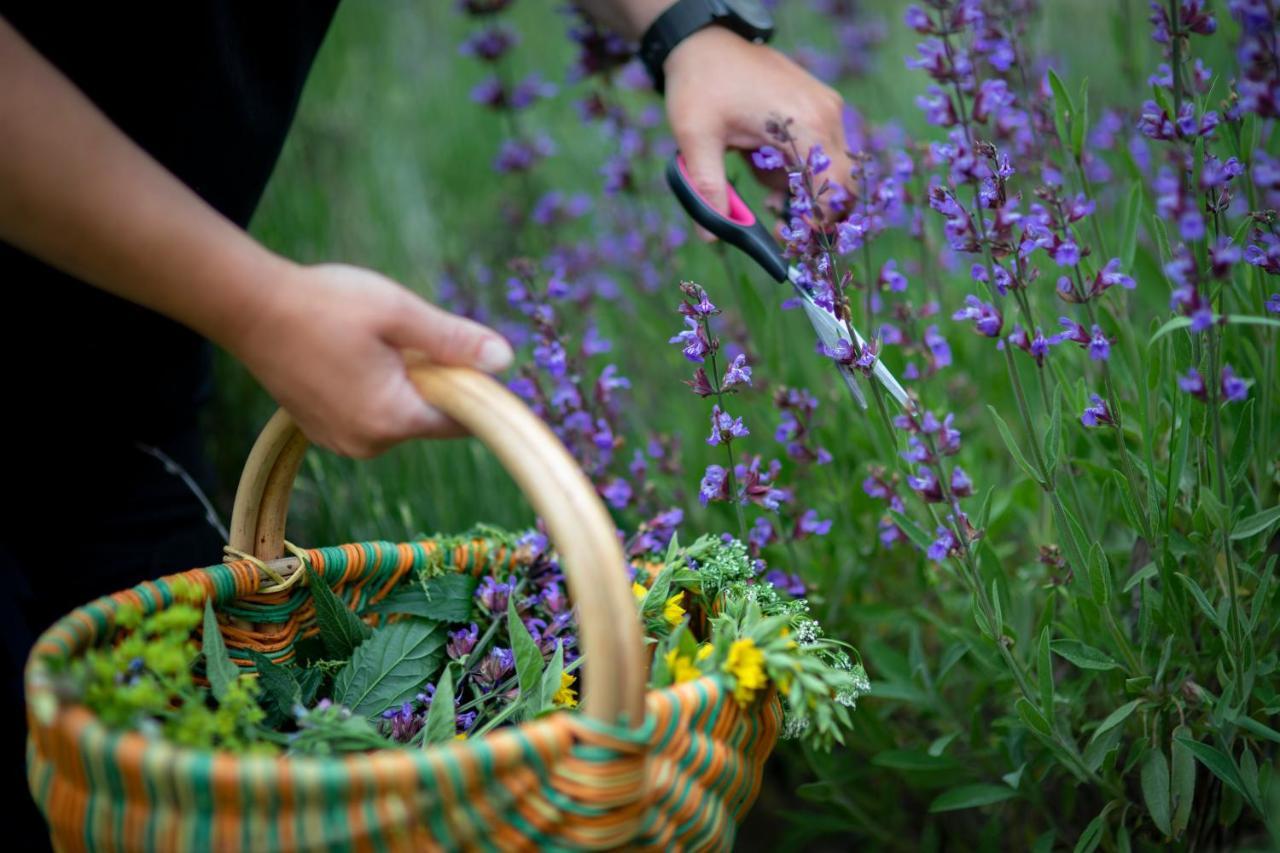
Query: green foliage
column 389, row 667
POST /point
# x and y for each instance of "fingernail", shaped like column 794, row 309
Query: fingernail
column 495, row 355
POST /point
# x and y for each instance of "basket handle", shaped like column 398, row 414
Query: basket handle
column 577, row 522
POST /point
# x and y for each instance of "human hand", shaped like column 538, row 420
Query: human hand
column 722, row 90
column 329, row 345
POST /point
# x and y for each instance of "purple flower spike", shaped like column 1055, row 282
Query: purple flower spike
column 961, row 485
column 761, row 534
column 791, row 584
column 617, row 493
column 768, row 158
column 925, row 483
column 738, row 373
column 943, row 546
column 1273, row 304
column 1099, row 345
column 693, row 341
column 891, row 278
column 493, row 595
column 1097, row 414
column 725, row 427
column 818, row 161
column 1234, row 389
column 714, row 485
column 462, row 641
column 810, row 525
column 986, row 317
column 1193, row 384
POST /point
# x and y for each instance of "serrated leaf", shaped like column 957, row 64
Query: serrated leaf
column 1012, row 446
column 446, row 598
column 528, row 656
column 309, row 682
column 970, row 797
column 1115, row 718
column 280, row 690
column 218, row 667
column 1183, row 781
column 390, row 667
column 1155, row 789
column 1255, row 524
column 442, row 722
column 1083, row 656
column 341, row 631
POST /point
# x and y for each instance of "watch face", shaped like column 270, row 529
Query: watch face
column 753, row 13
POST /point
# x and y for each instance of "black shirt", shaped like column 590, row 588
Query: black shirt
column 206, row 88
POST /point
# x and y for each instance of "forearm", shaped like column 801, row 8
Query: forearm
column 78, row 194
column 630, row 18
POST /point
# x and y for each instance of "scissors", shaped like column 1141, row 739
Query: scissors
column 741, row 229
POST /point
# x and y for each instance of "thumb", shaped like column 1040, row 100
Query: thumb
column 704, row 158
column 446, row 338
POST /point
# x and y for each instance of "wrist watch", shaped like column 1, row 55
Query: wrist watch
column 748, row 18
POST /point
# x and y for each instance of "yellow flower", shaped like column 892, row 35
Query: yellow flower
column 566, row 696
column 746, row 664
column 786, row 632
column 704, row 651
column 682, row 669
column 672, row 611
column 639, row 590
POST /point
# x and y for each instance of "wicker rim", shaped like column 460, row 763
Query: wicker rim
column 577, row 522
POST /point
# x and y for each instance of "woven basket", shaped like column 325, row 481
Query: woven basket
column 674, row 769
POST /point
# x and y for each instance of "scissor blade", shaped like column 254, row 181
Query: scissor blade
column 831, row 331
column 828, row 330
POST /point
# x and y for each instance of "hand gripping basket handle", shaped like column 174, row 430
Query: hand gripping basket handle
column 578, row 524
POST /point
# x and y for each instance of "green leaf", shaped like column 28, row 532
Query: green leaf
column 910, row 759
column 1031, row 715
column 390, row 667
column 656, row 597
column 1218, row 762
column 1080, row 121
column 279, row 689
column 1183, row 786
column 1053, row 435
column 1063, row 110
column 1155, row 789
column 1255, row 524
column 1085, row 657
column 309, row 683
column 1092, row 835
column 1171, row 326
column 1012, row 446
column 1129, row 240
column 970, row 797
column 528, row 656
column 551, row 678
column 341, row 631
column 1149, row 570
column 1115, row 718
column 1201, row 599
column 1099, row 575
column 913, row 530
column 442, row 723
column 447, row 598
column 1044, row 666
column 218, row 667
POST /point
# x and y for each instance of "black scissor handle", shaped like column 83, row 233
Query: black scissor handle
column 740, row 228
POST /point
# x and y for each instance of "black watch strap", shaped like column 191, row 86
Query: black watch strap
column 679, row 22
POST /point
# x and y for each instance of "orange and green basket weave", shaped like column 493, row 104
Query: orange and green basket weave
column 675, row 768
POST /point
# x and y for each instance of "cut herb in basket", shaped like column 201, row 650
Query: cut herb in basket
column 446, row 655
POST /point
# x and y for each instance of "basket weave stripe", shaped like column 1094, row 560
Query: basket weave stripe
column 682, row 779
